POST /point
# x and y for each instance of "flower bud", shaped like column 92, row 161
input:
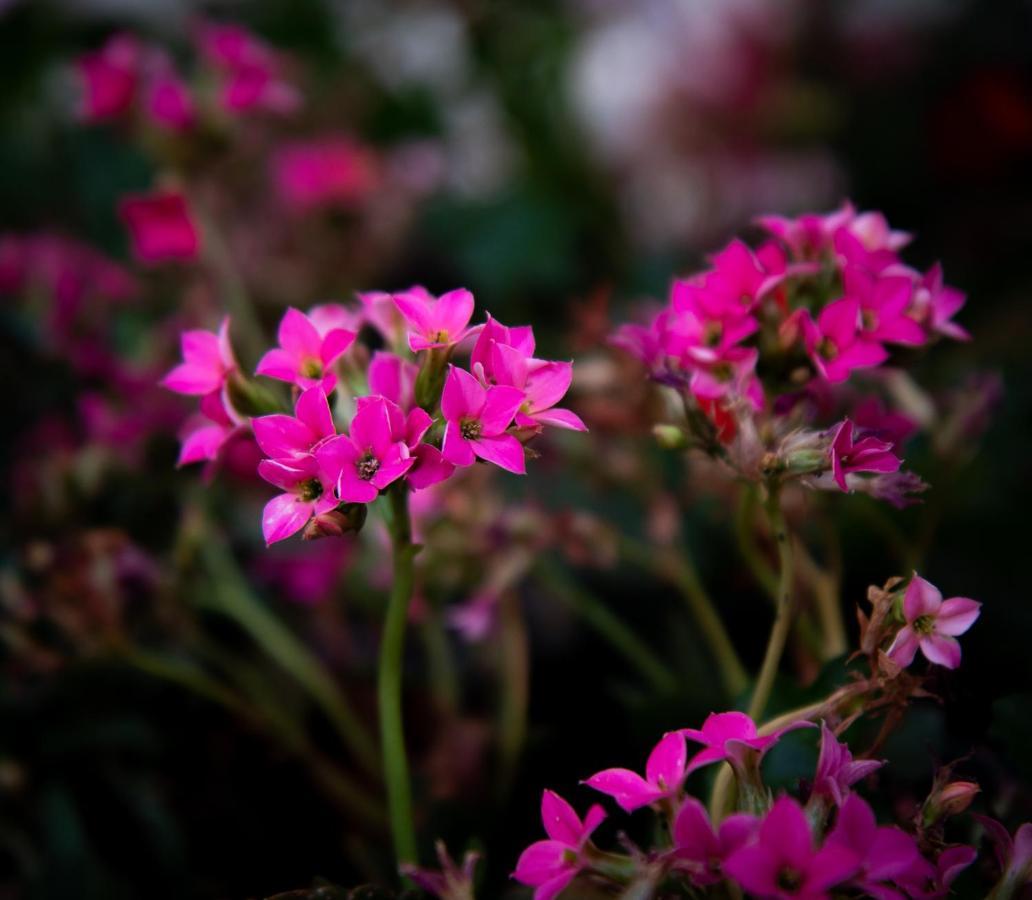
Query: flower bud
column 670, row 437
column 349, row 517
column 947, row 800
column 249, row 398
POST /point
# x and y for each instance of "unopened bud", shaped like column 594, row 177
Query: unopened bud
column 807, row 462
column 337, row 522
column 249, row 398
column 949, row 800
column 670, row 437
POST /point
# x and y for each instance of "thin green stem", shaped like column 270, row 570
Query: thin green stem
column 389, row 687
column 745, row 529
column 679, row 568
column 829, row 609
column 783, row 611
column 607, row 625
column 515, row 687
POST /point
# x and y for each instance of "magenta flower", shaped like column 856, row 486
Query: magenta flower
column 307, row 491
column 783, row 863
column 885, row 853
column 932, row 624
column 477, row 420
column 161, row 227
column 394, row 378
column 326, row 172
column 109, row 79
column 884, row 303
column 664, row 775
column 481, row 359
column 731, row 736
column 207, row 433
column 368, row 459
column 248, row 69
column 543, row 384
column 925, row 880
column 450, row 881
column 935, row 305
column 1013, row 854
column 701, row 849
column 866, row 455
column 435, row 323
column 738, row 277
column 287, row 438
column 208, row 362
column 168, row 100
column 549, row 866
column 428, row 466
column 837, row 771
column 305, row 355
column 834, row 342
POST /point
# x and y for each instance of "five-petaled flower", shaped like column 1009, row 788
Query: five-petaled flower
column 865, row 455
column 208, row 362
column 837, row 771
column 305, row 355
column 435, row 323
column 932, row 624
column 702, row 849
column 161, row 227
column 732, row 736
column 477, row 420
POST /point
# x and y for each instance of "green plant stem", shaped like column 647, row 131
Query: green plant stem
column 515, row 688
column 389, row 687
column 745, row 531
column 783, row 610
column 829, row 610
column 440, row 664
column 678, row 567
column 607, row 625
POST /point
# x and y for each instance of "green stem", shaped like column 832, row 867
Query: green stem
column 608, row 626
column 829, row 610
column 440, row 664
column 389, row 687
column 515, row 675
column 679, row 568
column 745, row 530
column 783, row 610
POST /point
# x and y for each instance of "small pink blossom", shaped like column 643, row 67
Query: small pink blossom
column 109, row 78
column 837, row 771
column 286, row 438
column 481, row 360
column 703, row 850
column 935, row 305
column 429, row 467
column 208, row 362
column 436, row 323
column 925, row 880
column 477, row 420
column 161, row 227
column 664, row 775
column 392, row 377
column 1013, row 854
column 932, row 624
column 543, row 384
column 866, row 455
column 369, row 458
column 731, row 736
column 204, row 435
column 326, row 172
column 305, row 356
column 249, row 71
column 549, row 866
column 835, row 343
column 783, row 862
column 168, row 100
column 884, row 303
column 307, row 491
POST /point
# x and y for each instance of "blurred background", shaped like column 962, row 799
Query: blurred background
column 166, row 729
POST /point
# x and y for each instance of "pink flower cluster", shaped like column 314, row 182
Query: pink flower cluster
column 399, row 432
column 127, row 77
column 783, row 850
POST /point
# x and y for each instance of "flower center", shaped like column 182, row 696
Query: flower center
column 310, row 490
column 722, row 371
column 869, row 318
column 470, row 429
column 745, row 299
column 712, row 334
column 827, row 348
column 312, row 368
column 441, row 337
column 924, row 624
column 367, row 465
column 789, row 879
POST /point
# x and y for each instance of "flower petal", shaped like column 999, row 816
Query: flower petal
column 283, row 516
column 941, row 649
column 463, row 397
column 957, row 615
column 455, row 448
column 560, row 819
column 504, row 451
column 627, row 788
column 666, row 762
column 921, row 599
column 500, row 406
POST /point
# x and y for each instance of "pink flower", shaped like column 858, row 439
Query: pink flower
column 836, row 770
column 935, row 305
column 809, row 236
column 168, row 100
column 428, row 467
column 208, row 362
column 543, row 384
column 305, row 356
column 249, row 70
column 932, row 624
column 884, row 853
column 161, row 227
column 394, row 378
column 866, row 455
column 704, row 850
column 481, row 360
column 549, row 866
column 1013, row 855
column 109, row 78
column 287, row 438
column 884, row 302
column 931, row 881
column 739, row 277
column 307, row 491
column 783, row 863
column 477, row 420
column 450, row 882
column 731, row 736
column 330, row 171
column 834, row 342
column 435, row 323
column 206, row 434
column 368, row 459
column 664, row 774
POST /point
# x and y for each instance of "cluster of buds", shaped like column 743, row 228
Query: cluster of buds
column 416, row 418
column 760, row 345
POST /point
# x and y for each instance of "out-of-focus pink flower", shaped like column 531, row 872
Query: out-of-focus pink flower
column 884, row 302
column 873, row 419
column 738, row 277
column 477, row 420
column 866, row 455
column 810, row 235
column 204, row 435
column 925, row 880
column 331, row 171
column 783, row 862
column 935, row 304
column 208, row 362
column 451, row 882
column 664, row 774
column 307, row 574
column 286, row 438
column 109, row 78
column 250, row 71
column 475, row 618
column 161, row 227
column 368, row 459
column 703, row 850
column 1013, row 855
column 168, row 100
column 932, row 624
column 549, row 866
column 834, row 342
column 543, row 384
column 382, row 313
column 436, row 323
column 392, row 377
column 305, row 356
column 885, row 853
column 731, row 736
column 837, row 771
